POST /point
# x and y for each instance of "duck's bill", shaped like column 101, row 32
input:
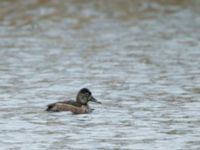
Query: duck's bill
column 94, row 100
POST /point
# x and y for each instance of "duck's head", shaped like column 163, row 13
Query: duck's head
column 84, row 96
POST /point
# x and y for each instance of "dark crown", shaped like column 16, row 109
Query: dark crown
column 85, row 90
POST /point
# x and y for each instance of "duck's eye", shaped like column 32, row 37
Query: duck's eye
column 87, row 94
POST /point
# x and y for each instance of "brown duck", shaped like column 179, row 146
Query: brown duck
column 80, row 106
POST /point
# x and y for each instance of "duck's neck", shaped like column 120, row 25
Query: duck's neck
column 80, row 102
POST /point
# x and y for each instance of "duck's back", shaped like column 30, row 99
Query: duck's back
column 72, row 106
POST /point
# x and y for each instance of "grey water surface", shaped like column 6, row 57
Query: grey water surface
column 140, row 58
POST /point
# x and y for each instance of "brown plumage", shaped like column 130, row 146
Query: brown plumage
column 79, row 106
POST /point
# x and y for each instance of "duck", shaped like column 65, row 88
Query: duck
column 80, row 106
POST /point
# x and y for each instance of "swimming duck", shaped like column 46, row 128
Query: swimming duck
column 80, row 106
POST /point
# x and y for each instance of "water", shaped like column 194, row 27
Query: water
column 139, row 58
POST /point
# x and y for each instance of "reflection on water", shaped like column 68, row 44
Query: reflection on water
column 141, row 59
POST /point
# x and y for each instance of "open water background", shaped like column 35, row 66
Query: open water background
column 140, row 58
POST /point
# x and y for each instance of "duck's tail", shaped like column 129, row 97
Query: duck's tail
column 50, row 107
